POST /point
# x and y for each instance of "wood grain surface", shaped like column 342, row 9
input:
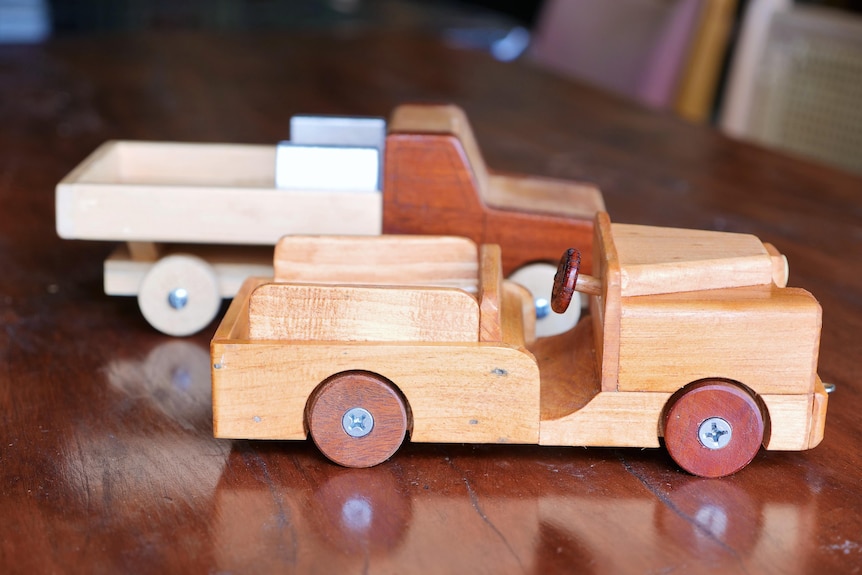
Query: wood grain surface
column 107, row 459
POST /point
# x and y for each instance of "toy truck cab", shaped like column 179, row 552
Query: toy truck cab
column 360, row 341
column 436, row 182
column 698, row 339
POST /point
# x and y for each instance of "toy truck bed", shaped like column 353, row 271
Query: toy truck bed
column 199, row 193
column 429, row 313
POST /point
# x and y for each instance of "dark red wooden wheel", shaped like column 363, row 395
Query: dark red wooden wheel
column 357, row 419
column 713, row 429
column 565, row 280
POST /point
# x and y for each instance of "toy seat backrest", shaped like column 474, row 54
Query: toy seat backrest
column 405, row 271
column 350, row 313
column 393, row 260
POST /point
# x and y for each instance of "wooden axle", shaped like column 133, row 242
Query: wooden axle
column 567, row 281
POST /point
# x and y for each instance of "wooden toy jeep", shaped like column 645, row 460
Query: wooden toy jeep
column 360, row 342
column 191, row 216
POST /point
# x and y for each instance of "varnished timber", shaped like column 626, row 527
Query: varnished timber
column 384, row 417
column 380, row 260
column 714, row 402
column 107, row 458
column 753, row 340
column 313, row 312
column 284, row 345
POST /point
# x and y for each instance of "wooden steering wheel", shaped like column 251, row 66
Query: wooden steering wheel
column 565, row 280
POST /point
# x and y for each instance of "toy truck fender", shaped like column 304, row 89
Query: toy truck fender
column 697, row 339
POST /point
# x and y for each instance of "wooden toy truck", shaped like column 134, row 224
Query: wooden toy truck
column 188, row 213
column 692, row 336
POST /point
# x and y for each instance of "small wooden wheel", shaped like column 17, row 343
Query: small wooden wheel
column 357, row 419
column 179, row 295
column 565, row 280
column 713, row 429
column 538, row 278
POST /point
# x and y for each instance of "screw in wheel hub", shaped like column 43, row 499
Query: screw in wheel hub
column 714, row 433
column 357, row 422
column 178, row 298
column 543, row 307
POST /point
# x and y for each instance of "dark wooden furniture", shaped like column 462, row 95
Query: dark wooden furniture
column 107, row 460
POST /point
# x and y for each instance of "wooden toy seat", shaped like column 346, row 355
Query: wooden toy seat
column 382, row 288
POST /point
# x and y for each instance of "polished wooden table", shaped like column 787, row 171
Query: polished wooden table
column 107, row 461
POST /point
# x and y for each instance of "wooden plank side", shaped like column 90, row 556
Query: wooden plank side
column 655, row 260
column 818, row 414
column 606, row 308
column 611, row 418
column 763, row 336
column 477, row 393
column 234, row 324
column 518, row 317
column 490, row 293
column 194, row 164
column 545, row 195
column 311, row 312
column 101, row 165
column 232, row 265
column 633, row 419
column 379, row 260
column 145, row 251
column 790, row 421
column 219, row 215
column 419, row 118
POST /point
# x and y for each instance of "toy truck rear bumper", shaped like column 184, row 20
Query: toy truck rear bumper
column 796, row 422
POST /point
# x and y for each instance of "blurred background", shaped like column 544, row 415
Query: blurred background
column 786, row 74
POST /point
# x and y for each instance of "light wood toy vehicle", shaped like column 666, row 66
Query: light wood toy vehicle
column 692, row 337
column 189, row 214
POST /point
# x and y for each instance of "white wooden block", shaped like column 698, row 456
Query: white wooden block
column 331, row 168
column 338, row 131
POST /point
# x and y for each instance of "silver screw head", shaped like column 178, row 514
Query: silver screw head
column 715, row 433
column 357, row 422
column 543, row 307
column 178, row 298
